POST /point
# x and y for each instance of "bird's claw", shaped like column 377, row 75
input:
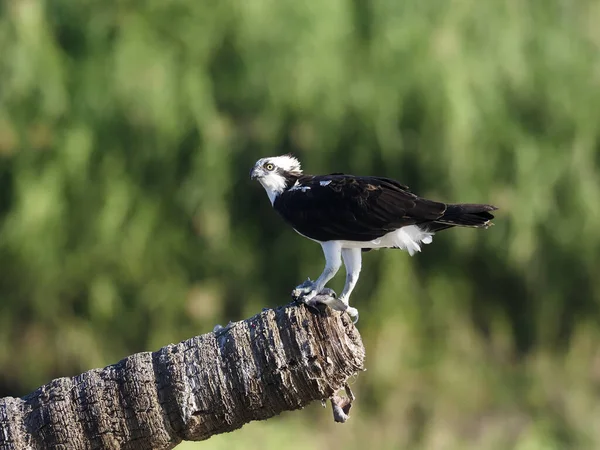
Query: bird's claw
column 353, row 313
column 301, row 291
column 306, row 294
column 325, row 297
column 340, row 305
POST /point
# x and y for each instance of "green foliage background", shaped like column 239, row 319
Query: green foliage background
column 128, row 220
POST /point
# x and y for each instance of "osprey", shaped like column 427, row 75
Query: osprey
column 349, row 214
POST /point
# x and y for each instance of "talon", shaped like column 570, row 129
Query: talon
column 301, row 293
column 353, row 313
column 306, row 294
column 309, row 297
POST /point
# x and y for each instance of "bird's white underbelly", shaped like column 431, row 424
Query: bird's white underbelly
column 407, row 238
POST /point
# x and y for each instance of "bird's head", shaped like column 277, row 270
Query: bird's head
column 276, row 173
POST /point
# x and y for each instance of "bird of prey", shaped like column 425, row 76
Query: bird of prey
column 349, row 214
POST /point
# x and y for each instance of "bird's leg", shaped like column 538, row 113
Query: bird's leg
column 353, row 262
column 311, row 292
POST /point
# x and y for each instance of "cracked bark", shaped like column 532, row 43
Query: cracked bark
column 278, row 360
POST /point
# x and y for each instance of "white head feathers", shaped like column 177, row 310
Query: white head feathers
column 274, row 173
column 287, row 163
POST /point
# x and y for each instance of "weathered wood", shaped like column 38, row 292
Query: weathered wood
column 278, row 360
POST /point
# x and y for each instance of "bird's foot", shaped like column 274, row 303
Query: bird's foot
column 306, row 294
column 353, row 313
column 304, row 291
column 341, row 304
column 326, row 296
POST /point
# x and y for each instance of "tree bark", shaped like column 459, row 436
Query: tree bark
column 278, row 360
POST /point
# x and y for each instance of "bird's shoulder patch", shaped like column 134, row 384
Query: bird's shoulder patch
column 298, row 186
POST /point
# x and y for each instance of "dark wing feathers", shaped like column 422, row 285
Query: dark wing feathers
column 345, row 207
column 468, row 215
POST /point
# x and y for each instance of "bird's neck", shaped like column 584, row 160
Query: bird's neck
column 276, row 187
column 290, row 180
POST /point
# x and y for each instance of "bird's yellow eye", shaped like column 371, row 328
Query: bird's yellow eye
column 269, row 166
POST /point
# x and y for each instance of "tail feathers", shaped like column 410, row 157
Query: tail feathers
column 465, row 215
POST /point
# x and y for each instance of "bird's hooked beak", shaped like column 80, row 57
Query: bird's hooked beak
column 256, row 172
